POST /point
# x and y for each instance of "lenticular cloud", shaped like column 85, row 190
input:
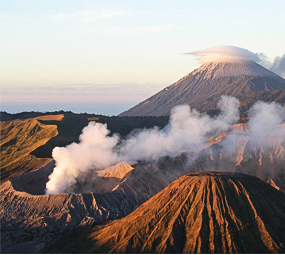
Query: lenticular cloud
column 224, row 53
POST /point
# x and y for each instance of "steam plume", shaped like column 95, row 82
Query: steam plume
column 277, row 66
column 94, row 151
column 266, row 120
column 187, row 130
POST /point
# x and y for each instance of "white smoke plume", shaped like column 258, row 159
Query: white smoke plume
column 94, row 151
column 266, row 120
column 255, row 148
column 277, row 66
column 264, row 130
column 225, row 53
column 187, row 130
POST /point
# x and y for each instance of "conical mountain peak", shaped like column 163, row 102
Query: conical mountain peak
column 237, row 68
column 198, row 213
column 203, row 88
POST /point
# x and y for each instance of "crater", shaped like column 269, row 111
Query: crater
column 25, row 204
column 218, row 174
column 34, row 182
column 105, row 180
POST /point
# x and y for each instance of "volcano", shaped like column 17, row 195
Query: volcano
column 120, row 189
column 207, row 212
column 203, row 87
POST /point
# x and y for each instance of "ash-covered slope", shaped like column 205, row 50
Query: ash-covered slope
column 207, row 212
column 203, row 87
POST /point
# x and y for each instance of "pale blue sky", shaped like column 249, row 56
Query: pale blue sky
column 105, row 56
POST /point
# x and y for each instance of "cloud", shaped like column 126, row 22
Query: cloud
column 127, row 31
column 90, row 16
column 232, row 53
column 277, row 66
column 14, row 17
column 111, row 30
column 158, row 28
column 79, row 93
column 221, row 53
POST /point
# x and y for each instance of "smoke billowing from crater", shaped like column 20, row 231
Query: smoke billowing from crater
column 188, row 130
column 94, row 151
column 266, row 120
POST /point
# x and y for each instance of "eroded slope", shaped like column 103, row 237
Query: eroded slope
column 114, row 194
column 198, row 213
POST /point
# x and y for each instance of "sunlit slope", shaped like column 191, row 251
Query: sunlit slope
column 198, row 213
column 18, row 139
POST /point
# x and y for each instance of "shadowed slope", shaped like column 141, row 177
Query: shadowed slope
column 198, row 213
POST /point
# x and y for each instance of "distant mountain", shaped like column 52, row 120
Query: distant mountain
column 203, row 87
column 206, row 212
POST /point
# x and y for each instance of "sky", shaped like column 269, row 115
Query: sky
column 107, row 56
